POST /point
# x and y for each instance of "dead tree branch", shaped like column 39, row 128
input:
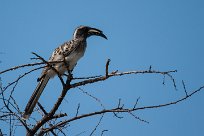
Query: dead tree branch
column 125, row 110
column 51, row 120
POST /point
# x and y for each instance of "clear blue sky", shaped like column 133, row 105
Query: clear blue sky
column 167, row 34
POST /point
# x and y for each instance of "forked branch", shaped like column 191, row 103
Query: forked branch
column 43, row 125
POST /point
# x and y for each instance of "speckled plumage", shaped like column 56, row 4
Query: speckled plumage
column 71, row 52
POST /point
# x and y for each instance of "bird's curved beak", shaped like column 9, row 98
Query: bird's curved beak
column 97, row 32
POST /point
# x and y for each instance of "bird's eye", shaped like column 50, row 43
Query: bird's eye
column 82, row 31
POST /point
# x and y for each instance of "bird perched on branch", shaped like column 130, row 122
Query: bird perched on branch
column 70, row 52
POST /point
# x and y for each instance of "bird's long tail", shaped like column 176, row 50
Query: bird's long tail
column 35, row 97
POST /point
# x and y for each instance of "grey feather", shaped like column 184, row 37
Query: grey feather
column 70, row 52
column 35, row 97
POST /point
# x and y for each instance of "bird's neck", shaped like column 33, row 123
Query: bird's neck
column 81, row 38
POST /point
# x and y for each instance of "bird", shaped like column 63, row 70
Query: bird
column 70, row 52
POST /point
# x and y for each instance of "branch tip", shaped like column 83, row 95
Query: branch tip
column 107, row 66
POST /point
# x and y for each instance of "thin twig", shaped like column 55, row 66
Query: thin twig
column 138, row 118
column 184, row 87
column 88, row 94
column 136, row 102
column 107, row 67
column 103, row 132
column 99, row 122
column 78, row 107
column 127, row 110
column 21, row 76
column 113, row 74
column 21, row 66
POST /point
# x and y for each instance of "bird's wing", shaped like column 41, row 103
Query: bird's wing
column 59, row 54
column 62, row 51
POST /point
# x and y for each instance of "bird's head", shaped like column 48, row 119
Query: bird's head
column 85, row 32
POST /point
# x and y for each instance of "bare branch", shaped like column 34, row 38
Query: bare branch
column 138, row 118
column 49, row 116
column 21, row 66
column 88, row 94
column 21, row 76
column 97, row 125
column 121, row 110
column 52, row 122
column 173, row 80
column 115, row 73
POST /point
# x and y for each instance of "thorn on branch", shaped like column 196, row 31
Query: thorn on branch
column 150, row 68
column 103, row 132
column 119, row 104
column 136, row 102
column 78, row 107
column 114, row 72
column 107, row 66
column 164, row 79
column 184, row 87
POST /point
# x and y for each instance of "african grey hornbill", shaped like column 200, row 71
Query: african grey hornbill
column 70, row 52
